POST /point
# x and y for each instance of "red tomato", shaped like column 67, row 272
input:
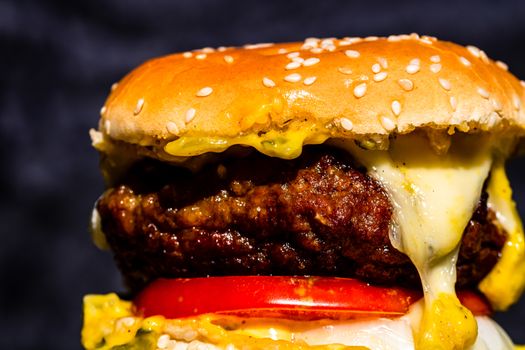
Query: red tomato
column 304, row 298
column 299, row 298
column 476, row 303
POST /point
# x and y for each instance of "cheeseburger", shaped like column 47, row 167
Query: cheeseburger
column 326, row 194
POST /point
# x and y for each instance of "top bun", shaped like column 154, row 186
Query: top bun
column 351, row 88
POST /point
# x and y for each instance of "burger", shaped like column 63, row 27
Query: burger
column 326, row 194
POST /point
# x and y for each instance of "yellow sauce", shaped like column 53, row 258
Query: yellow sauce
column 286, row 144
column 110, row 322
column 447, row 325
column 505, row 283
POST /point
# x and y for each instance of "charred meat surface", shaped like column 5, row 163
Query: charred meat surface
column 319, row 214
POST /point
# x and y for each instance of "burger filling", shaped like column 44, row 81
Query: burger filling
column 408, row 216
column 319, row 214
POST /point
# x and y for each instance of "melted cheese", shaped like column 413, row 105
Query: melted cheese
column 286, row 144
column 434, row 197
column 506, row 281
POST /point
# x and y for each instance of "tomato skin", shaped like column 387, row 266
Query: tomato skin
column 295, row 298
column 476, row 303
column 303, row 298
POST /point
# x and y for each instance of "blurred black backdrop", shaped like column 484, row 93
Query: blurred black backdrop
column 58, row 60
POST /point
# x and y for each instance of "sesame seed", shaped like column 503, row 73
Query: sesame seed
column 464, row 61
column 360, row 90
column 388, row 123
column 502, row 65
column 330, row 48
column 282, row 50
column 516, row 102
column 138, row 107
column 376, row 68
column 396, row 108
column 345, row 70
column 435, row 68
column 309, row 81
column 483, row 93
column 316, row 50
column 268, row 82
column 298, row 59
column 346, row 124
column 393, row 38
column 292, row 65
column 327, row 42
column 406, row 84
column 371, row 38
column 222, row 48
column 426, row 40
column 228, row 59
column 312, row 40
column 208, row 50
column 293, row 78
column 414, row 36
column 114, row 86
column 107, row 126
column 412, row 69
column 352, row 40
column 493, row 119
column 352, row 53
column 484, row 57
column 205, row 91
column 258, row 46
column 190, row 114
column 496, row 104
column 311, row 61
column 201, row 56
column 522, row 83
column 453, row 102
column 445, row 84
column 435, row 59
column 292, row 55
column 474, row 50
column 102, row 111
column 172, row 128
column 415, row 62
column 187, row 54
column 383, row 62
column 380, row 76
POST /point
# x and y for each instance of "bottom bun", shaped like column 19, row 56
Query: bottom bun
column 110, row 323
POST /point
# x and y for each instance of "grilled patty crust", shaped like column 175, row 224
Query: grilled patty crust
column 319, row 214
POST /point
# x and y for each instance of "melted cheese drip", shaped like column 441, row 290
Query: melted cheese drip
column 506, row 281
column 434, row 197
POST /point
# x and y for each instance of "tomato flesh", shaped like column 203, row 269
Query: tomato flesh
column 273, row 296
column 297, row 298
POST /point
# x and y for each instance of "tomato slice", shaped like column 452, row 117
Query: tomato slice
column 303, row 298
column 476, row 303
column 297, row 298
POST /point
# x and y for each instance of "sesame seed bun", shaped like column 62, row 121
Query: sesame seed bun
column 350, row 88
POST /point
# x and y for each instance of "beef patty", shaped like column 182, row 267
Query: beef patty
column 319, row 214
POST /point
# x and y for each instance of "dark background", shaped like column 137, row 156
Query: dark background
column 58, row 60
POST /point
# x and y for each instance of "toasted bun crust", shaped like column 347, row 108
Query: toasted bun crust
column 348, row 87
